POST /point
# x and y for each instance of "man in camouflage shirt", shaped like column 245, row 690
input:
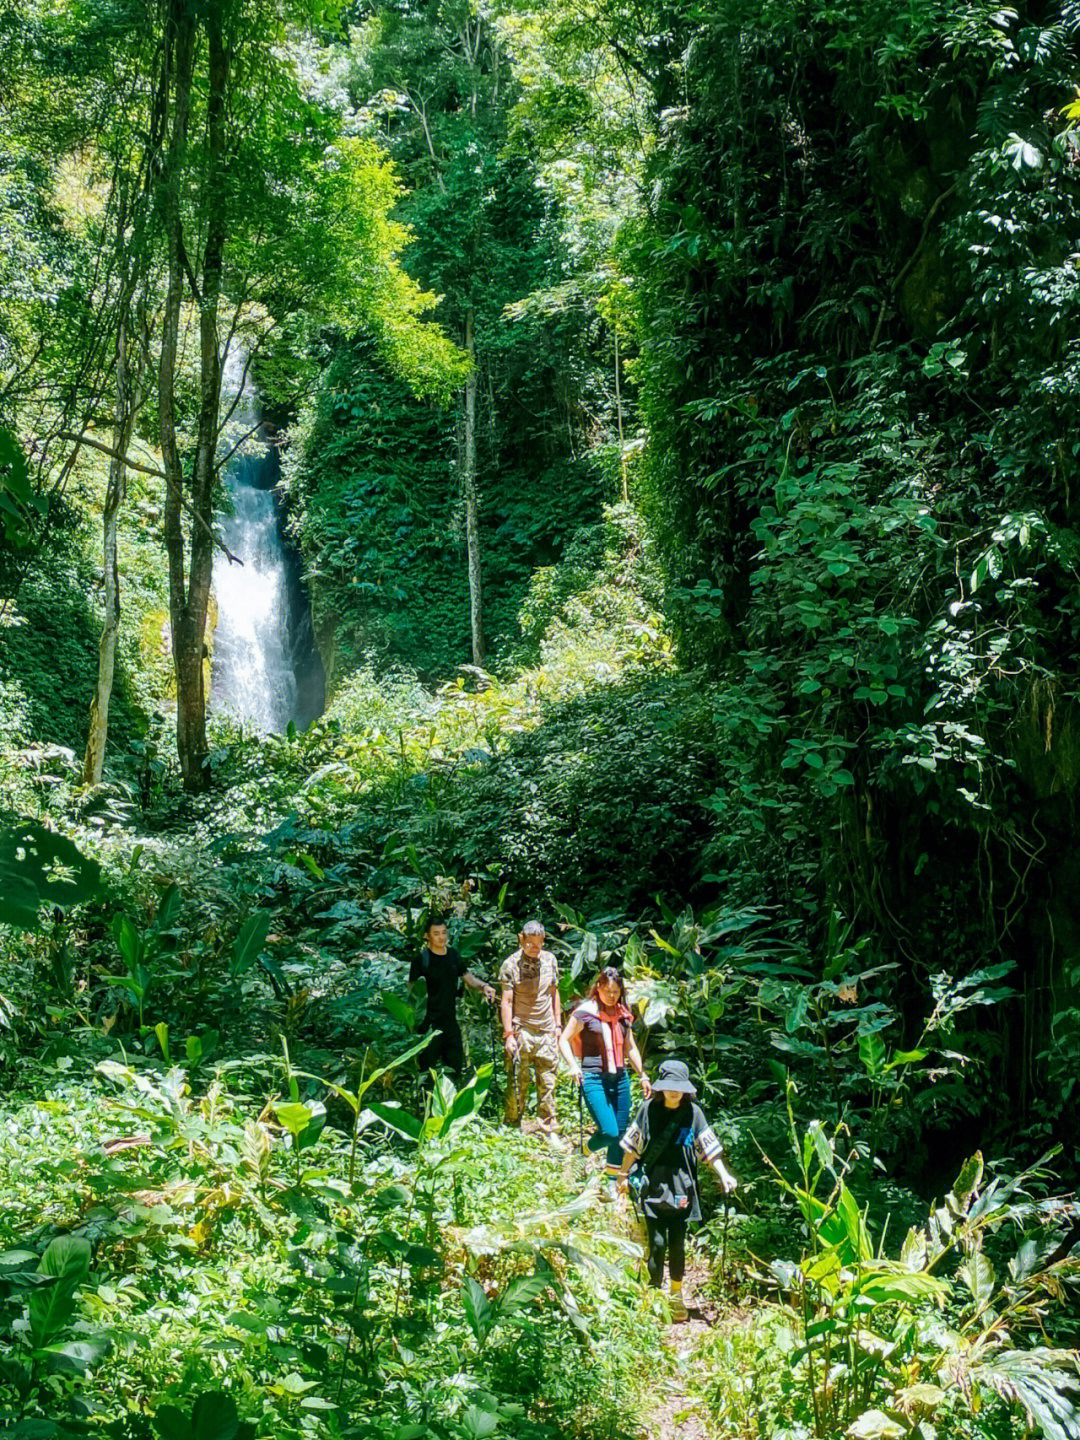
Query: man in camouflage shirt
column 532, row 1020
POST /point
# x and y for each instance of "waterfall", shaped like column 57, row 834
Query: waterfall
column 265, row 669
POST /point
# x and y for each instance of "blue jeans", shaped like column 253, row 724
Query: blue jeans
column 608, row 1099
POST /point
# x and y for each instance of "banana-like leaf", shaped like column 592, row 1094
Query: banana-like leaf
column 399, row 1010
column 467, row 1101
column 66, row 1263
column 249, row 942
column 400, row 1121
column 478, row 1311
column 75, row 1356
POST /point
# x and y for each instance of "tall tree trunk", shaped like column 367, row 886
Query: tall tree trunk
column 98, row 731
column 133, row 265
column 130, row 393
column 472, row 525
column 618, row 413
column 191, row 558
column 187, row 638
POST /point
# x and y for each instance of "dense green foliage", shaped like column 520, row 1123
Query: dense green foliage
column 440, row 83
column 767, row 315
column 857, row 371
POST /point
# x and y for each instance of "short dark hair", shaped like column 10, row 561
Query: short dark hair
column 533, row 927
column 433, row 921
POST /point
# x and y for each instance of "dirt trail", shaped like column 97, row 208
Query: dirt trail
column 677, row 1414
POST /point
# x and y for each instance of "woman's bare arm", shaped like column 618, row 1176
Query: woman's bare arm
column 573, row 1029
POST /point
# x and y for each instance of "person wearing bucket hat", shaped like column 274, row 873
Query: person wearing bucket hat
column 666, row 1139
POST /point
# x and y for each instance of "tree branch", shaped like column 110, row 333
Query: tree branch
column 160, row 475
column 112, row 454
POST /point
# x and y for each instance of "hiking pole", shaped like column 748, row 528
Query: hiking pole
column 723, row 1243
column 731, row 1201
column 512, row 1078
column 582, row 1163
column 494, row 1058
column 639, row 1221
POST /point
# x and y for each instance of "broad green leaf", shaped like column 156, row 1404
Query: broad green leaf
column 51, row 1307
column 854, row 1224
column 291, row 1387
column 872, row 1053
column 214, row 1416
column 967, row 1182
column 1022, row 155
column 67, row 1263
column 467, row 1101
column 663, row 944
column 913, row 1251
column 18, row 1260
column 249, row 942
column 392, row 1197
column 906, row 1057
column 392, row 1065
column 477, row 1308
column 1041, row 1382
column 129, row 942
column 168, row 907
column 422, row 1257
column 478, row 1424
column 172, row 1424
column 75, row 1356
column 522, row 1291
column 876, row 1425
column 399, row 1009
column 888, row 1285
column 161, row 1030
column 796, row 1013
column 399, row 1120
column 304, row 1122
column 20, row 507
column 822, row 1146
column 309, row 1135
column 922, row 1396
column 40, row 869
column 978, row 1275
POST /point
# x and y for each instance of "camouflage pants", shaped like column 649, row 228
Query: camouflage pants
column 539, row 1053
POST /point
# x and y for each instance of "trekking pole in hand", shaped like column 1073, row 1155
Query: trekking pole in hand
column 582, row 1165
column 639, row 1221
column 723, row 1242
column 495, row 1067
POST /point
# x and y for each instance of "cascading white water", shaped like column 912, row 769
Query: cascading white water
column 254, row 669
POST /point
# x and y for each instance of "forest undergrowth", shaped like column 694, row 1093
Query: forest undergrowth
column 231, row 1206
column 705, row 378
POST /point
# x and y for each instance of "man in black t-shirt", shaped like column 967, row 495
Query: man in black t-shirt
column 443, row 969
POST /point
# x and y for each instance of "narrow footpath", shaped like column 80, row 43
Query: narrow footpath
column 675, row 1412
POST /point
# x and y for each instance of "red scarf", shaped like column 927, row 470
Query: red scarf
column 613, row 1034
